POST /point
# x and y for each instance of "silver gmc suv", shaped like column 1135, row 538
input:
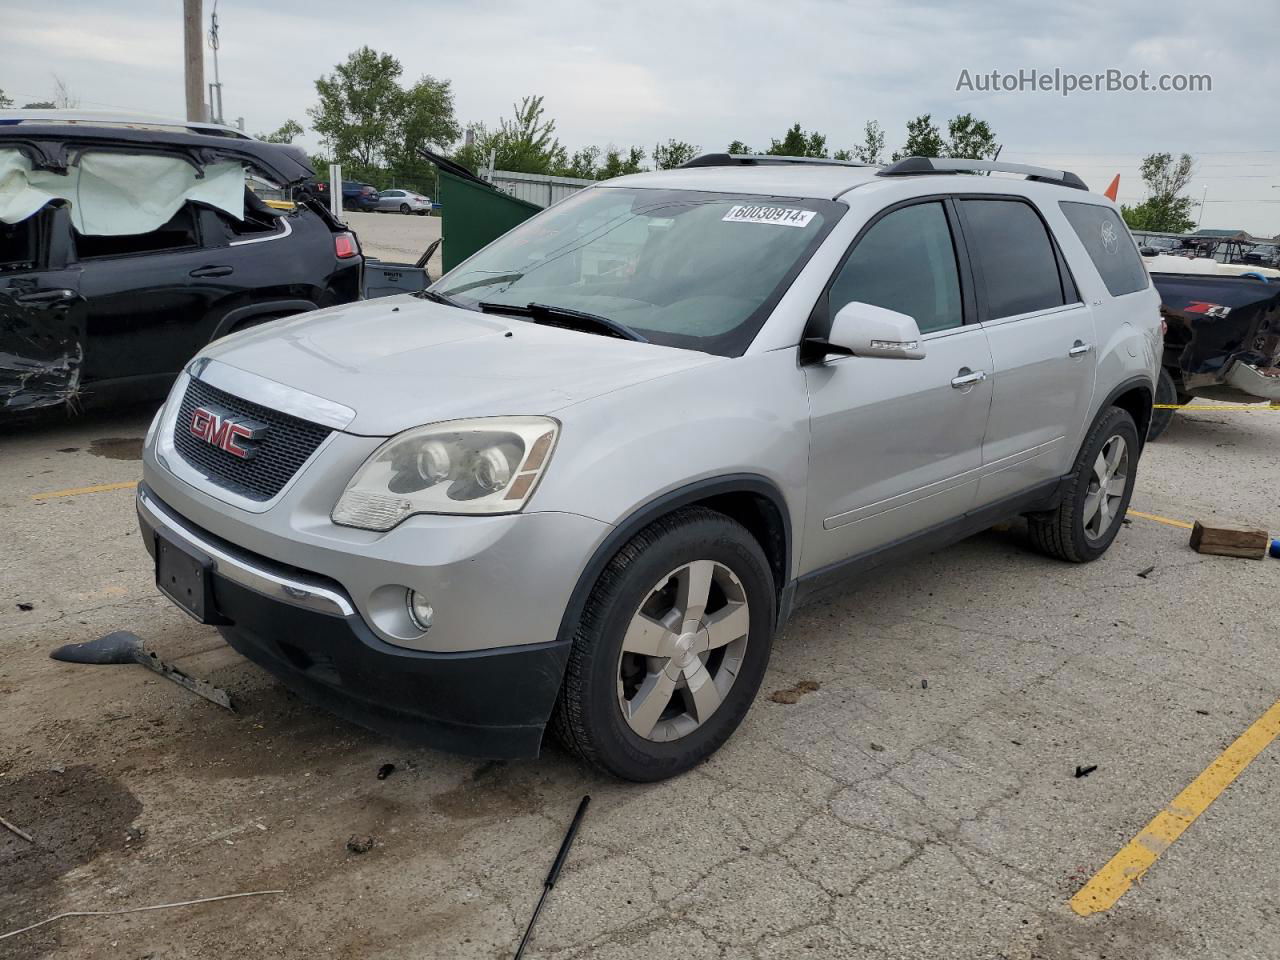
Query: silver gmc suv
column 583, row 479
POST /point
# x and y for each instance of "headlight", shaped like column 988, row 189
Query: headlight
column 488, row 465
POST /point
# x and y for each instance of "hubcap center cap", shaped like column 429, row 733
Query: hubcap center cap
column 686, row 648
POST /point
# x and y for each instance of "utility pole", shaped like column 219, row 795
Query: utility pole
column 193, row 47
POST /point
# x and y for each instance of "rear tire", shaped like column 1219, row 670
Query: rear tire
column 1091, row 512
column 629, row 709
column 1166, row 393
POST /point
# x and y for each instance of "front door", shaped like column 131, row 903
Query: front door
column 896, row 445
column 1042, row 347
column 42, row 315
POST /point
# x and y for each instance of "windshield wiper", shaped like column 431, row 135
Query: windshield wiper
column 564, row 317
column 439, row 297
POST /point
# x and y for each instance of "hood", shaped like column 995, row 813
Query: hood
column 400, row 362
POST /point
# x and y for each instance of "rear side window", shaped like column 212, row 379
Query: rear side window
column 1107, row 241
column 905, row 262
column 18, row 245
column 178, row 233
column 1014, row 256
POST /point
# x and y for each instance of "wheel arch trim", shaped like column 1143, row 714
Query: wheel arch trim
column 1128, row 385
column 683, row 496
column 233, row 317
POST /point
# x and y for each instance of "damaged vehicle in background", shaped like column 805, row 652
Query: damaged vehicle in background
column 1223, row 334
column 127, row 245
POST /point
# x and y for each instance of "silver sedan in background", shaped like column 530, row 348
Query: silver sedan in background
column 402, row 201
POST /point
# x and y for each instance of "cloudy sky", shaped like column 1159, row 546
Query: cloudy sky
column 710, row 72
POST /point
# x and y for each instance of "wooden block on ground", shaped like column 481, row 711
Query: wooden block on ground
column 1229, row 540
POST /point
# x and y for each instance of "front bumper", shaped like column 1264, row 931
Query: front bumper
column 304, row 629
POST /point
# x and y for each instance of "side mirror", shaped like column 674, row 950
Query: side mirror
column 861, row 330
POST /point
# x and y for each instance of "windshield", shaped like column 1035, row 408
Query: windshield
column 680, row 268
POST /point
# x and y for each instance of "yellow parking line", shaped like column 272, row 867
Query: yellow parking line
column 1250, row 407
column 1110, row 883
column 1159, row 519
column 76, row 491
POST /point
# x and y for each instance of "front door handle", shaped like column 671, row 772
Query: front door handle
column 1079, row 349
column 43, row 298
column 967, row 378
column 218, row 271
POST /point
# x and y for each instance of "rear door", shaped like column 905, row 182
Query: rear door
column 42, row 314
column 896, row 445
column 152, row 296
column 1042, row 345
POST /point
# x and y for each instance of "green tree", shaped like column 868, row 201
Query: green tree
column 426, row 119
column 5, row 101
column 358, row 109
column 527, row 143
column 871, row 150
column 797, row 143
column 970, row 139
column 40, row 105
column 738, row 148
column 284, row 133
column 923, row 139
column 673, row 153
column 1164, row 210
column 616, row 165
column 584, row 163
column 474, row 153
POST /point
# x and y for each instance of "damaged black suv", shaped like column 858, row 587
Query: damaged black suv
column 128, row 244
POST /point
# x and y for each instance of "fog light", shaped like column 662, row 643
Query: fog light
column 420, row 611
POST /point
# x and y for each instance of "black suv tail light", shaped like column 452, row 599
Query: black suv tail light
column 344, row 246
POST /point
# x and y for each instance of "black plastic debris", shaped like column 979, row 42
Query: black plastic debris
column 1147, row 572
column 25, row 607
column 360, row 844
column 1085, row 771
column 125, row 647
column 386, row 770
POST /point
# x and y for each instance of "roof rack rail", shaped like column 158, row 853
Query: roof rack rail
column 912, row 166
column 753, row 159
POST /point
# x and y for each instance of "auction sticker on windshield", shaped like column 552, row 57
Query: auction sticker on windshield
column 780, row 216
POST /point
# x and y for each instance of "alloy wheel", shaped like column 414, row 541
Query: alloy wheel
column 682, row 650
column 1106, row 487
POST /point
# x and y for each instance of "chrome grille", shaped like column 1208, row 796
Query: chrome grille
column 278, row 455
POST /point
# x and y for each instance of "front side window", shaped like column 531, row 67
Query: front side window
column 1014, row 256
column 679, row 267
column 905, row 262
column 1106, row 239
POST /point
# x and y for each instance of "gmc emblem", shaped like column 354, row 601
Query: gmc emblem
column 226, row 431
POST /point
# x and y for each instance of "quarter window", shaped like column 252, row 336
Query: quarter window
column 1013, row 255
column 905, row 262
column 1107, row 241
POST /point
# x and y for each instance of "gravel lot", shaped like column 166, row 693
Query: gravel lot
column 871, row 817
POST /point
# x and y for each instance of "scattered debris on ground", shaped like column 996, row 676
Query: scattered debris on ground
column 793, row 693
column 25, row 607
column 125, row 647
column 386, row 770
column 1147, row 572
column 15, row 830
column 1230, row 540
column 360, row 844
column 554, row 873
column 1085, row 771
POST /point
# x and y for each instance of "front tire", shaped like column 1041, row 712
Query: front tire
column 670, row 649
column 404, row 208
column 1097, row 497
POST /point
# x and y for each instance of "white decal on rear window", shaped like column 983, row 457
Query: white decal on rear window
column 755, row 213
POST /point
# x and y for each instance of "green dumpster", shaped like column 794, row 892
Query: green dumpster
column 473, row 212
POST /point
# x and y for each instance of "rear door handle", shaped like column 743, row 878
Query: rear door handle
column 45, row 297
column 1079, row 349
column 218, row 271
column 968, row 378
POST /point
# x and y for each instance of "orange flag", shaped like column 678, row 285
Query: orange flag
column 1111, row 191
